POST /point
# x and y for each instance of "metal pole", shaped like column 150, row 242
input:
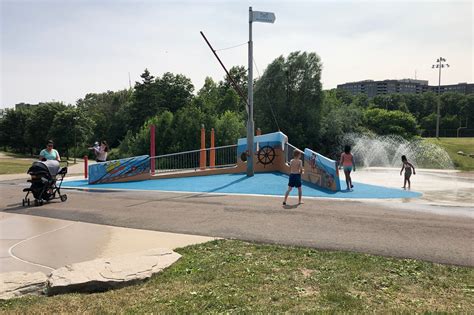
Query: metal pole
column 152, row 149
column 439, row 98
column 75, row 139
column 250, row 123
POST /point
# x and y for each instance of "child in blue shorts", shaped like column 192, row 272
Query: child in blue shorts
column 296, row 169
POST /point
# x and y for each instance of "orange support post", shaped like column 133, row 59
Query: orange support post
column 86, row 161
column 259, row 132
column 202, row 157
column 212, row 157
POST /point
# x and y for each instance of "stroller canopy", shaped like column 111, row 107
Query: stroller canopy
column 50, row 166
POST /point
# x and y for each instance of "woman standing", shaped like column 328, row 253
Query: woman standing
column 102, row 151
column 49, row 153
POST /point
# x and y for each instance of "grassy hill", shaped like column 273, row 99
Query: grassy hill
column 452, row 146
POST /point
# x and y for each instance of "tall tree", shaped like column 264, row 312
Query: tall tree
column 174, row 91
column 144, row 104
column 39, row 123
column 13, row 129
column 70, row 127
column 107, row 111
column 292, row 88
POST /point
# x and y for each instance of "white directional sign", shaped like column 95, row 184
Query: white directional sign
column 265, row 17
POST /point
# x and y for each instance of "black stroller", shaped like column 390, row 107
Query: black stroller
column 46, row 180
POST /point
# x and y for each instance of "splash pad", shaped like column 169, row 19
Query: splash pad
column 222, row 170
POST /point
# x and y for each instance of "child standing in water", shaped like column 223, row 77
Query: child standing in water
column 347, row 162
column 407, row 166
column 296, row 169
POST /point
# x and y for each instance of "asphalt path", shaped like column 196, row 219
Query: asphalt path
column 360, row 226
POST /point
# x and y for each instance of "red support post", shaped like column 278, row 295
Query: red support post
column 212, row 156
column 86, row 167
column 152, row 149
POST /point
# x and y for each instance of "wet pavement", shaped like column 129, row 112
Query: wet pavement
column 33, row 243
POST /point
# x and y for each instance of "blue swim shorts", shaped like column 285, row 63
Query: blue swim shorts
column 295, row 180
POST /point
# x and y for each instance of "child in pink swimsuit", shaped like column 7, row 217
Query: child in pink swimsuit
column 347, row 162
column 407, row 166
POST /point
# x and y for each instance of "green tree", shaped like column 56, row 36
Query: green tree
column 187, row 123
column 292, row 88
column 144, row 103
column 174, row 91
column 38, row 124
column 467, row 112
column 70, row 126
column 13, row 129
column 107, row 111
column 338, row 118
column 384, row 122
column 208, row 96
column 230, row 99
column 230, row 126
column 428, row 122
column 153, row 96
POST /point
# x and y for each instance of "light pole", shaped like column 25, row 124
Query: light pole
column 75, row 118
column 254, row 16
column 440, row 63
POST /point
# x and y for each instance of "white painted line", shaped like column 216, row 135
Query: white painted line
column 236, row 194
column 10, row 250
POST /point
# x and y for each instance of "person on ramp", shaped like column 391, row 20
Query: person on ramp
column 348, row 164
column 296, row 169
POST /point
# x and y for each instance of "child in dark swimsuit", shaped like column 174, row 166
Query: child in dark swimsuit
column 296, row 169
column 407, row 166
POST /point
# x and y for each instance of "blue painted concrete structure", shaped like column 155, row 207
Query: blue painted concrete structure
column 273, row 184
column 118, row 169
column 277, row 139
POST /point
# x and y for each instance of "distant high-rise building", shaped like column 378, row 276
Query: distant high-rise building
column 24, row 105
column 408, row 86
column 464, row 88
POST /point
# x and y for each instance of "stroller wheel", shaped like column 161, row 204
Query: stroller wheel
column 36, row 202
column 63, row 198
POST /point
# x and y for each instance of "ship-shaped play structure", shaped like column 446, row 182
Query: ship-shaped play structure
column 272, row 154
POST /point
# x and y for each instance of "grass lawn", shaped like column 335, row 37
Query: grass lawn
column 14, row 166
column 452, row 146
column 238, row 277
column 12, row 163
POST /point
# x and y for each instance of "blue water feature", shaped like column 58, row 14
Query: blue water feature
column 274, row 184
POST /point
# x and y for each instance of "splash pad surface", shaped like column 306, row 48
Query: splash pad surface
column 266, row 184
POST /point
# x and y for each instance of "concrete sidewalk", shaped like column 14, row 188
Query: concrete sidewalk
column 32, row 243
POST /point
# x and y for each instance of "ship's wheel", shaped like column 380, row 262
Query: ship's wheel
column 266, row 155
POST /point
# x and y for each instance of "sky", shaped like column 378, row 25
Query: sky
column 62, row 50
